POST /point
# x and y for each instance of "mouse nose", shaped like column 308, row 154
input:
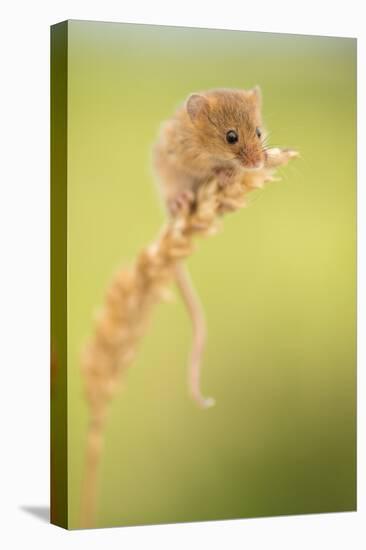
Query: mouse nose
column 252, row 159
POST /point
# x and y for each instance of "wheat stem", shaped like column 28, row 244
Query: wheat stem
column 128, row 303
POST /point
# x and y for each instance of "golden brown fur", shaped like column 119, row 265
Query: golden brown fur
column 192, row 145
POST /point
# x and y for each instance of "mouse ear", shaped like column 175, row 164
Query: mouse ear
column 257, row 94
column 196, row 105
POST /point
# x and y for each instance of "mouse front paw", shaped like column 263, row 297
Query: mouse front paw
column 224, row 176
column 181, row 203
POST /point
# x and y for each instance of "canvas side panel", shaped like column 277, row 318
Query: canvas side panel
column 59, row 504
column 355, row 103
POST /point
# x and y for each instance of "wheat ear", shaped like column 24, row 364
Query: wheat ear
column 129, row 300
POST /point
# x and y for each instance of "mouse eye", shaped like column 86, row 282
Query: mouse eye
column 232, row 137
column 258, row 131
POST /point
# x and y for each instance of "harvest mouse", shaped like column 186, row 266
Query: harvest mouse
column 218, row 132
column 215, row 133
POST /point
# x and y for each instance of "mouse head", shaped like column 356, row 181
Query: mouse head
column 229, row 125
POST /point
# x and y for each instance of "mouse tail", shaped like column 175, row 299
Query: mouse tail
column 197, row 316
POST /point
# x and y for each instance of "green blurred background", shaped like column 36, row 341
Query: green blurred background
column 277, row 283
